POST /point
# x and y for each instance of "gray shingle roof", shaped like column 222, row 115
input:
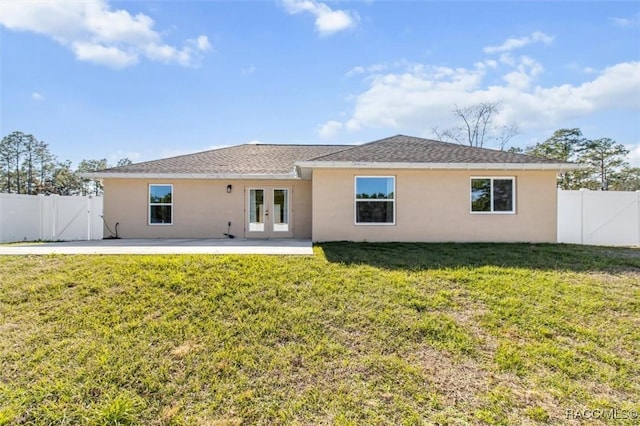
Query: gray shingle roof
column 264, row 160
column 247, row 159
column 408, row 149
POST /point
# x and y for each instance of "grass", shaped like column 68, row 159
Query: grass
column 357, row 334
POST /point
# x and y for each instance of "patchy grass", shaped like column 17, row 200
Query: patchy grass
column 358, row 334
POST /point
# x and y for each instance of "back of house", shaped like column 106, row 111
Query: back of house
column 400, row 188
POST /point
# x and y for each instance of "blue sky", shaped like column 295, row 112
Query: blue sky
column 144, row 80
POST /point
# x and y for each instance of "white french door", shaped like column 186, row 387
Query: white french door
column 268, row 212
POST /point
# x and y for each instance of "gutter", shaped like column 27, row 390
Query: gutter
column 438, row 166
column 122, row 175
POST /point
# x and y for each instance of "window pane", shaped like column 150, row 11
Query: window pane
column 502, row 195
column 160, row 214
column 374, row 187
column 481, row 195
column 160, row 193
column 280, row 206
column 256, row 208
column 374, row 211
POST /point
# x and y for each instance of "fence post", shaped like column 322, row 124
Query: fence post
column 89, row 200
column 638, row 217
column 1, row 223
column 54, row 217
column 41, row 216
column 582, row 192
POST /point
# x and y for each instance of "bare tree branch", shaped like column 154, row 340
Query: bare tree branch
column 506, row 134
column 477, row 126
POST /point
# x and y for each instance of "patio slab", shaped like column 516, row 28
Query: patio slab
column 163, row 246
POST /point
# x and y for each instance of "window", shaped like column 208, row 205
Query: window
column 281, row 210
column 493, row 195
column 160, row 204
column 375, row 200
column 256, row 210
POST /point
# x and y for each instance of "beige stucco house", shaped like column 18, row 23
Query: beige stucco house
column 395, row 189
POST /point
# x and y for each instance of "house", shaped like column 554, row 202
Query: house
column 400, row 188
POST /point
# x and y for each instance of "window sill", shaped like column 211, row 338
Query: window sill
column 374, row 224
column 492, row 213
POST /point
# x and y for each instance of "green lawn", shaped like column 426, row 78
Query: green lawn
column 357, row 334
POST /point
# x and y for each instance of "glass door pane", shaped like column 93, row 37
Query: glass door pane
column 256, row 210
column 280, row 210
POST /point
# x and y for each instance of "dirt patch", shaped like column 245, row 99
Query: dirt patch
column 185, row 349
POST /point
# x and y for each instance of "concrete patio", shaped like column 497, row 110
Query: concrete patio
column 162, row 246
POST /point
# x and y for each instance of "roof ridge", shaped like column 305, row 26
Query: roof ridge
column 347, row 148
column 287, row 144
column 350, row 147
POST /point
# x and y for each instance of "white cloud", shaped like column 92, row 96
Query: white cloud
column 248, row 70
column 103, row 55
column 355, row 71
column 329, row 129
column 374, row 69
column 96, row 33
column 202, row 43
column 328, row 21
column 626, row 22
column 185, row 56
column 526, row 70
column 488, row 63
column 422, row 96
column 634, row 155
column 353, row 125
column 36, row 96
column 517, row 43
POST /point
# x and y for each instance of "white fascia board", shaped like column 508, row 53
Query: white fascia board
column 227, row 176
column 438, row 166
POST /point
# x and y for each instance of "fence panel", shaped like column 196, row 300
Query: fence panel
column 19, row 218
column 51, row 218
column 599, row 217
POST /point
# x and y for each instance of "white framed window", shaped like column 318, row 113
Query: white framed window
column 493, row 195
column 160, row 204
column 375, row 200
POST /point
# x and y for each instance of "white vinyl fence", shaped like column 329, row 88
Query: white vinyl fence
column 609, row 218
column 49, row 218
column 584, row 217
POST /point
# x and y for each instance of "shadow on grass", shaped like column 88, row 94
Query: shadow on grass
column 416, row 256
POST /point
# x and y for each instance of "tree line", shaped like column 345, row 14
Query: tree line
column 27, row 166
column 605, row 160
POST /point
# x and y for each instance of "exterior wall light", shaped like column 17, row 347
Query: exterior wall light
column 229, row 188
